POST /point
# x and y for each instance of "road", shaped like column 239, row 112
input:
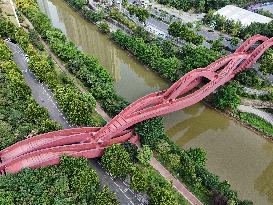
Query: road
column 45, row 98
column 174, row 15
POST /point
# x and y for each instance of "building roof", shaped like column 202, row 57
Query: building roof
column 244, row 16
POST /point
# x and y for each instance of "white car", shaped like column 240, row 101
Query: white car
column 26, row 58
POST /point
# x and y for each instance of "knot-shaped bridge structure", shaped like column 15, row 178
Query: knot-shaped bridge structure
column 90, row 142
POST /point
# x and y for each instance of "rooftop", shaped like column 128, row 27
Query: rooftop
column 244, row 16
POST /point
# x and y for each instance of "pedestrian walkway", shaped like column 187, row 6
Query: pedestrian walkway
column 176, row 183
column 266, row 116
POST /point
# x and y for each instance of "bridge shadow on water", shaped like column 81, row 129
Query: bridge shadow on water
column 195, row 121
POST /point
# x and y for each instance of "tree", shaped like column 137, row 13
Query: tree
column 162, row 196
column 227, row 97
column 144, row 155
column 132, row 150
column 105, row 197
column 234, row 41
column 139, row 179
column 150, row 132
column 116, row 160
column 174, row 161
column 104, row 27
column 163, row 147
column 267, row 62
column 198, row 155
column 218, row 45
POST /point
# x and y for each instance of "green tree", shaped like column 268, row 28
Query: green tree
column 145, row 155
column 234, row 41
column 198, row 155
column 266, row 63
column 105, row 197
column 139, row 179
column 174, row 161
column 218, row 45
column 116, row 160
column 227, row 97
column 104, row 27
column 163, row 196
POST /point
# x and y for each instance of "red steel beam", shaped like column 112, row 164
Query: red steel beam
column 46, row 149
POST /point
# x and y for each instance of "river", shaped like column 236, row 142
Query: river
column 234, row 152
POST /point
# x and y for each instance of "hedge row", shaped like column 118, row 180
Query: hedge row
column 78, row 107
column 149, row 54
column 90, row 15
column 86, row 68
column 20, row 114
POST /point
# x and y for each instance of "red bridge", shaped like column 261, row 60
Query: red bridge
column 46, row 149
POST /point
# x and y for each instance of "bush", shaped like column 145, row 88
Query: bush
column 227, row 97
column 182, row 31
column 104, row 27
column 116, row 160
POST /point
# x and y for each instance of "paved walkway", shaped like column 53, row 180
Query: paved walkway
column 176, row 183
column 259, row 104
column 265, row 115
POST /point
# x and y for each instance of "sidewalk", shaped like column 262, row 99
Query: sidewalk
column 176, row 183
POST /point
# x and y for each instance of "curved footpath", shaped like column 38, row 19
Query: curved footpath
column 265, row 115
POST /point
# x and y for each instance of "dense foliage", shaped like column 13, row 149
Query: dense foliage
column 196, row 57
column 20, row 114
column 71, row 182
column 80, row 6
column 182, row 31
column 116, row 160
column 104, row 27
column 227, row 97
column 120, row 17
column 266, row 63
column 141, row 13
column 149, row 54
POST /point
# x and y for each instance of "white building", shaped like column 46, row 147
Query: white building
column 244, row 16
